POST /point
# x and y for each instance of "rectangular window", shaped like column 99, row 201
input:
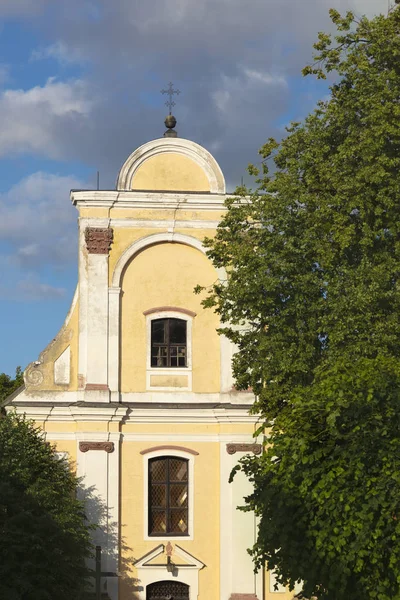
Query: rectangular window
column 168, row 496
column 168, row 343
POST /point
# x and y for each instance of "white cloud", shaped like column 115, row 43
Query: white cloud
column 32, row 119
column 32, row 289
column 58, row 51
column 221, row 98
column 38, row 222
column 29, row 288
column 247, row 87
column 38, row 232
column 265, row 78
column 28, row 252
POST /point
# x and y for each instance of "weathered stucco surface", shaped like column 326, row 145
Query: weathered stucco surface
column 173, row 172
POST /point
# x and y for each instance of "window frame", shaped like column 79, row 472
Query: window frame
column 170, row 313
column 168, row 453
column 168, row 344
column 168, row 483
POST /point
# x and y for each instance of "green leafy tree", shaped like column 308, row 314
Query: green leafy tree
column 44, row 540
column 313, row 303
column 8, row 385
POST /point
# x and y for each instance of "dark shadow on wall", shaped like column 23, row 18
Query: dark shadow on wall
column 116, row 556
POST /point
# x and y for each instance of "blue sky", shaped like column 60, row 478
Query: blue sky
column 80, row 89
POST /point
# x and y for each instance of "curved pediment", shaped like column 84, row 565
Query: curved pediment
column 171, row 164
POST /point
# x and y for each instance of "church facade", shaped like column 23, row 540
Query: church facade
column 137, row 391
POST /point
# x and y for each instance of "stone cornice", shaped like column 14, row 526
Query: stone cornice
column 72, row 413
column 153, row 414
column 92, row 398
column 152, row 200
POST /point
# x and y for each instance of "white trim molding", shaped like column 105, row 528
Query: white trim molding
column 156, row 438
column 161, row 454
column 187, row 148
column 149, row 414
column 145, row 199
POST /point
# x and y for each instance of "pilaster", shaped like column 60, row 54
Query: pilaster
column 238, row 531
column 98, row 466
column 95, row 244
column 97, row 321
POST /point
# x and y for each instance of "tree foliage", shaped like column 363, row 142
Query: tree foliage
column 313, row 302
column 43, row 537
column 8, row 385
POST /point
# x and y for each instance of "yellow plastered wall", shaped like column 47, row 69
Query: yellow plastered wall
column 67, row 446
column 205, row 544
column 124, row 237
column 276, row 595
column 179, row 213
column 170, row 172
column 67, row 336
column 165, row 275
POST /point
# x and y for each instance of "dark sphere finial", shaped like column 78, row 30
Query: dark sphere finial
column 170, row 123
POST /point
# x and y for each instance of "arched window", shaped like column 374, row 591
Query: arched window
column 168, row 496
column 168, row 343
column 167, row 590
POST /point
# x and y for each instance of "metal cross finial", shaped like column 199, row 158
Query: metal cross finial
column 170, row 91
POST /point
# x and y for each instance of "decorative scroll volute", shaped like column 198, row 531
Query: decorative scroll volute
column 86, row 446
column 233, row 448
column 33, row 376
column 98, row 240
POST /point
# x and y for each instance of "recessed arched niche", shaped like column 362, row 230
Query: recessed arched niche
column 177, row 268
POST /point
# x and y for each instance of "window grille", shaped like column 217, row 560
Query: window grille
column 167, row 590
column 168, row 496
column 168, row 343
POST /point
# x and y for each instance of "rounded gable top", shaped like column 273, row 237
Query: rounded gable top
column 171, row 165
